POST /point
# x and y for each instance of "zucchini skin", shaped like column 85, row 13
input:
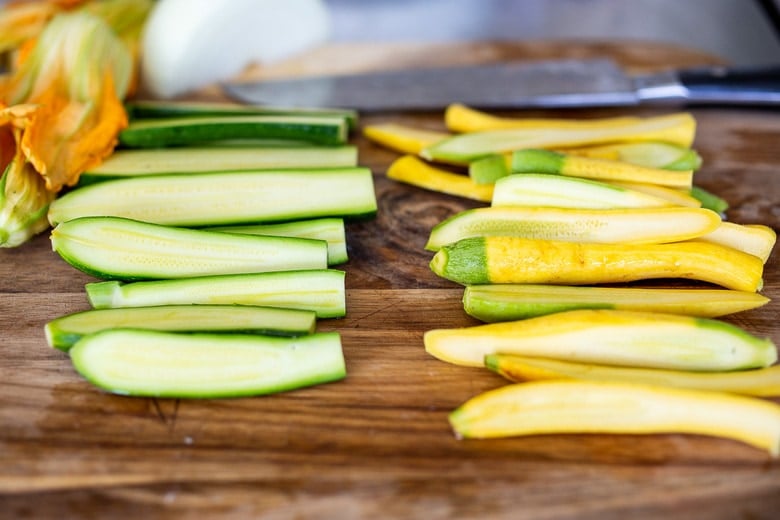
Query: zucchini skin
column 166, row 109
column 189, row 131
column 125, row 164
column 115, row 248
column 63, row 332
column 167, row 364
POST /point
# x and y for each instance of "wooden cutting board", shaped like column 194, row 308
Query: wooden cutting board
column 377, row 444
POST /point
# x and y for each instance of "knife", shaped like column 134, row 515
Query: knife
column 526, row 84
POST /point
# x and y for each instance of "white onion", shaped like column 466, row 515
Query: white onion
column 188, row 44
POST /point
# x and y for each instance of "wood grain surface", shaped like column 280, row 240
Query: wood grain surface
column 376, row 445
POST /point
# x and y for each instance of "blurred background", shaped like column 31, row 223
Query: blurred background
column 742, row 32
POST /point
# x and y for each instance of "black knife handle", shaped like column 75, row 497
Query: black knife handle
column 749, row 86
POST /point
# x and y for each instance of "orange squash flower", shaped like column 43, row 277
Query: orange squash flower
column 65, row 98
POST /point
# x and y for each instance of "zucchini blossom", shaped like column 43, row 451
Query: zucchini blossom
column 62, row 106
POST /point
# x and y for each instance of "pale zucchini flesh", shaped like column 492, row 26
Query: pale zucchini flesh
column 166, row 364
column 215, row 199
column 65, row 331
column 508, row 302
column 192, row 131
column 123, row 249
column 319, row 290
column 134, row 163
column 331, row 230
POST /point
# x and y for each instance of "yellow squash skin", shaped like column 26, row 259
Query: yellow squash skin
column 677, row 128
column 519, row 260
column 414, row 171
column 608, row 170
column 560, row 407
column 404, row 139
column 546, row 161
column 608, row 337
column 460, row 118
column 761, row 382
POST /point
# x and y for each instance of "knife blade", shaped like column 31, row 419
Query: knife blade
column 526, row 84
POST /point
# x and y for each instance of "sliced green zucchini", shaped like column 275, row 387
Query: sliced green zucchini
column 318, row 290
column 64, row 331
column 164, row 109
column 508, row 302
column 134, row 163
column 220, row 199
column 709, row 200
column 331, row 230
column 189, row 131
column 167, row 364
column 488, row 170
column 123, row 249
column 550, row 190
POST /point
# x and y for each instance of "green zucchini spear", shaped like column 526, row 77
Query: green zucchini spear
column 229, row 198
column 318, row 290
column 166, row 364
column 64, row 331
column 124, row 249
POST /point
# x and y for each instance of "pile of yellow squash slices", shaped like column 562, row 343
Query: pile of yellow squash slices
column 580, row 215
